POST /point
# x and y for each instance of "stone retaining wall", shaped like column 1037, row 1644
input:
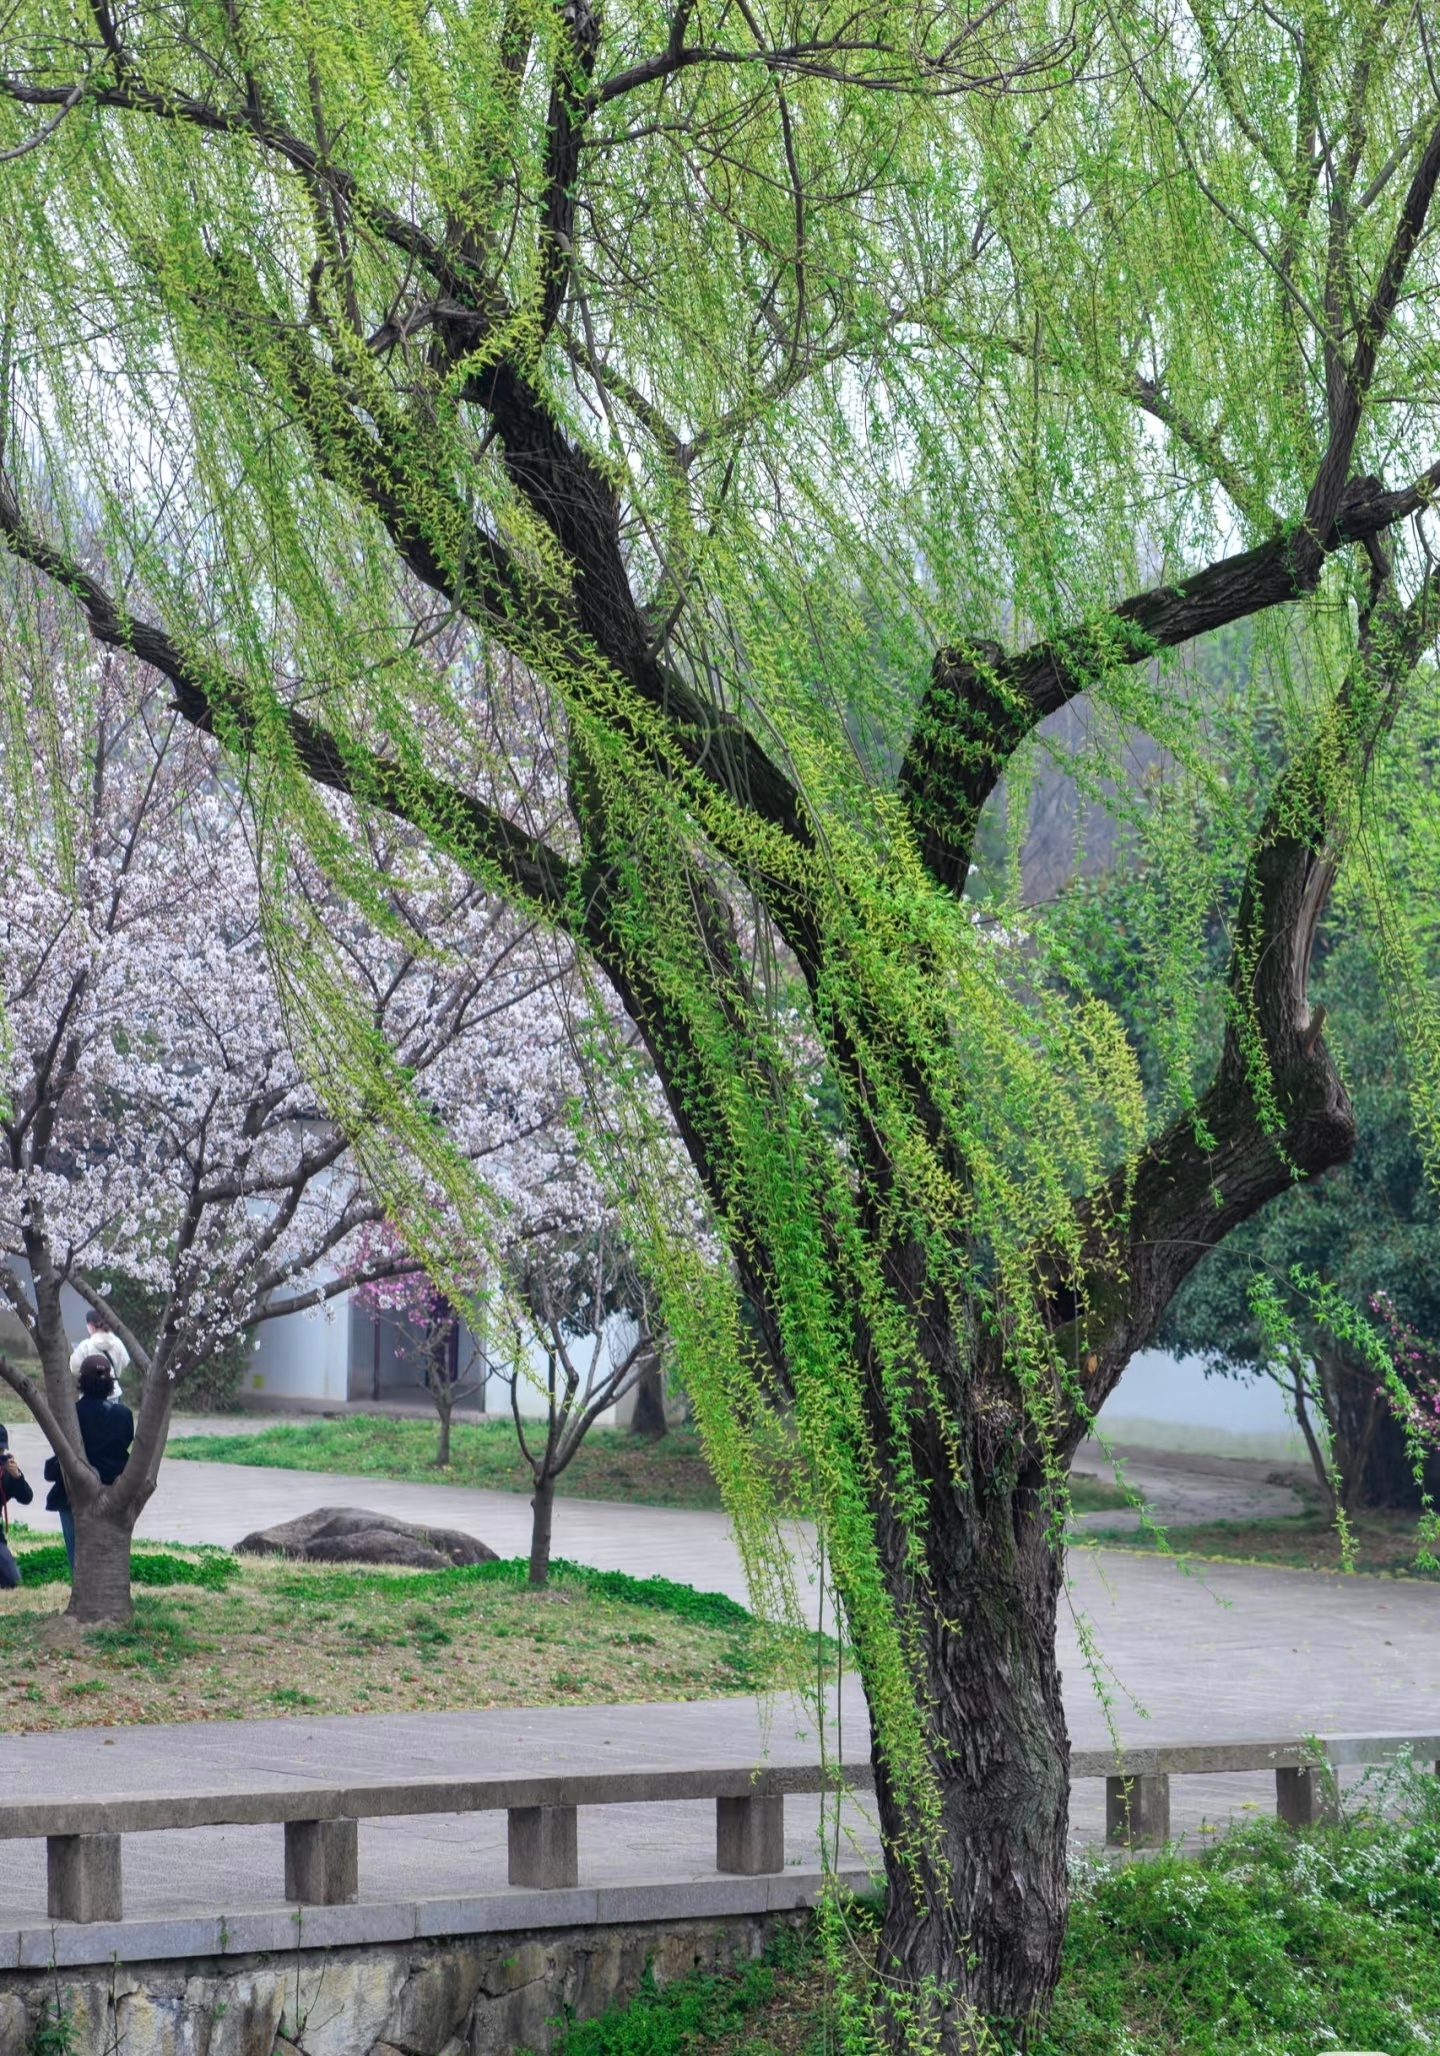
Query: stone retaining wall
column 474, row 1995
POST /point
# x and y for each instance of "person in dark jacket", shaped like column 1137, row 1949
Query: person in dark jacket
column 14, row 1487
column 107, row 1428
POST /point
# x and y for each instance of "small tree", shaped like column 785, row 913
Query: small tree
column 432, row 1333
column 573, row 1289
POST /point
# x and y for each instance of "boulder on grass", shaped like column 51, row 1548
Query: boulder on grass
column 349, row 1534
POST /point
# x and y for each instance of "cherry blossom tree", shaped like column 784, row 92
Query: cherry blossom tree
column 158, row 1124
column 431, row 1332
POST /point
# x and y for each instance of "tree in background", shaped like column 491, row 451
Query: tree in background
column 807, row 406
column 577, row 1288
column 1266, row 1302
column 158, row 1130
column 432, row 1333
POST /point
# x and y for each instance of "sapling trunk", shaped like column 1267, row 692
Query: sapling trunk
column 543, row 1509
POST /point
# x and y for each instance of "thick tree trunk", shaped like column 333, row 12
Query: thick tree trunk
column 100, row 1585
column 543, row 1508
column 1372, row 1457
column 442, row 1449
column 977, row 1935
column 648, row 1419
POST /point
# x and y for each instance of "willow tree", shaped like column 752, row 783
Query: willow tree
column 791, row 396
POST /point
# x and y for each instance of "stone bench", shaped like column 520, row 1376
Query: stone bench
column 1137, row 1781
column 321, row 1822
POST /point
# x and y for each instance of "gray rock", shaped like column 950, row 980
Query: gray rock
column 14, row 2025
column 350, row 1534
column 434, row 2003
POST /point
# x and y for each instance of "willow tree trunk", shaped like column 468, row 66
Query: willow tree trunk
column 100, row 1581
column 974, row 1926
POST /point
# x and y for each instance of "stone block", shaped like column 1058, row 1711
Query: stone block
column 434, row 2002
column 322, row 1861
column 14, row 2025
column 750, row 1835
column 1137, row 1812
column 544, row 1852
column 1303, row 1797
column 84, row 1877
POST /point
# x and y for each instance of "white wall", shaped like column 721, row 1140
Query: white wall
column 302, row 1357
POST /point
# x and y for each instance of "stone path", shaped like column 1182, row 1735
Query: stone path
column 1184, row 1490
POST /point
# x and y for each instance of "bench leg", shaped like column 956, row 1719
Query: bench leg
column 1137, row 1812
column 543, row 1852
column 322, row 1862
column 84, row 1877
column 750, row 1835
column 1303, row 1797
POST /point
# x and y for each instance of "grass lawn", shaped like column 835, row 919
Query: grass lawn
column 609, row 1465
column 279, row 1637
column 1384, row 1542
column 1267, row 1944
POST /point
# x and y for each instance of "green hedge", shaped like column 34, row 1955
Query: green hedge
column 213, row 1568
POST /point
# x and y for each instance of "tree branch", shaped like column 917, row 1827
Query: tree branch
column 1277, row 1110
column 981, row 703
column 222, row 704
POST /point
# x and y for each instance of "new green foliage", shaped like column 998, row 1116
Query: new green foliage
column 678, row 461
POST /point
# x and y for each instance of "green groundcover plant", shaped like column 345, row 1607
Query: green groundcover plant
column 1267, row 1943
column 212, row 1569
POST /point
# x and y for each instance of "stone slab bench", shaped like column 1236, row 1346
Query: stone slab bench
column 321, row 1822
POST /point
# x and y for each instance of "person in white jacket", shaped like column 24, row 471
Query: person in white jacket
column 100, row 1340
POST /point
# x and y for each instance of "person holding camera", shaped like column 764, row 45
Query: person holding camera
column 107, row 1428
column 16, row 1487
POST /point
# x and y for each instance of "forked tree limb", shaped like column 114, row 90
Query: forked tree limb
column 981, row 703
column 1276, row 1111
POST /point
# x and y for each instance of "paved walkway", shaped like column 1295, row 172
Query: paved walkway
column 1181, row 1490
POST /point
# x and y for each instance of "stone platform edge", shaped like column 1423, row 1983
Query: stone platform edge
column 281, row 1929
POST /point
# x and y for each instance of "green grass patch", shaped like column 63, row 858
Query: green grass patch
column 266, row 1635
column 701, row 2010
column 212, row 1569
column 1089, row 1494
column 1268, row 1944
column 705, row 1609
column 609, row 1464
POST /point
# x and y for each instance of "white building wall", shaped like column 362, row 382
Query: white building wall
column 302, row 1357
column 313, row 1362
